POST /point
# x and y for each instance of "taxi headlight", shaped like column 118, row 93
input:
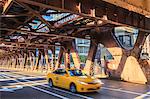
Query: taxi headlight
column 98, row 81
column 83, row 83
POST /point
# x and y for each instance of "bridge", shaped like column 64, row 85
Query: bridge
column 28, row 27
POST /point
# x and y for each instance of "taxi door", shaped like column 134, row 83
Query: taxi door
column 64, row 81
column 56, row 77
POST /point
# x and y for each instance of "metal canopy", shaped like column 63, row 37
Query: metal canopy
column 45, row 22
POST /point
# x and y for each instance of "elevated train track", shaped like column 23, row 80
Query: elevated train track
column 27, row 24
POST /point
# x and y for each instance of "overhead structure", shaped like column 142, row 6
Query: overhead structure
column 31, row 26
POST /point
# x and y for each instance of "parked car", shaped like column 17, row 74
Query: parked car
column 74, row 80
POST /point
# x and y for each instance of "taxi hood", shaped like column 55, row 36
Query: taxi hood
column 85, row 78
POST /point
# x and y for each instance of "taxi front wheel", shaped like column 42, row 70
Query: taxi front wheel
column 73, row 88
column 50, row 83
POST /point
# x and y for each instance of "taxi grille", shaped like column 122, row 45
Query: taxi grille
column 92, row 83
column 93, row 88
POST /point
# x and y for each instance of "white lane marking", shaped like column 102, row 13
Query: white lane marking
column 39, row 81
column 63, row 91
column 1, row 76
column 21, row 78
column 42, row 84
column 6, row 79
column 11, row 89
column 82, row 96
column 121, row 90
column 60, row 90
column 144, row 96
column 14, row 75
column 18, row 75
column 48, row 92
column 6, row 89
column 113, row 89
column 31, row 77
column 85, row 97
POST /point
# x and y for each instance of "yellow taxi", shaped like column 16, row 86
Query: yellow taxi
column 74, row 80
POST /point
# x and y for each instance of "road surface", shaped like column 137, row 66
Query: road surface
column 24, row 85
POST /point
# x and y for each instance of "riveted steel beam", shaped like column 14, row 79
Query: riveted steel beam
column 139, row 6
column 102, row 9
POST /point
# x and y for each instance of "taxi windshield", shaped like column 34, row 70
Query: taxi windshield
column 76, row 73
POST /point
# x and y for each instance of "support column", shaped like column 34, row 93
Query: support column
column 75, row 55
column 21, row 60
column 59, row 61
column 30, row 60
column 37, row 61
column 48, row 67
column 18, row 61
column 9, row 61
column 67, row 58
column 6, row 61
column 25, row 59
column 137, row 73
column 14, row 61
column 0, row 61
column 90, row 59
column 70, row 49
column 53, row 58
column 3, row 62
column 43, row 67
column 18, row 66
column 126, row 63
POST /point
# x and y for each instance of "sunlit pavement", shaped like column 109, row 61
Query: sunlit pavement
column 23, row 85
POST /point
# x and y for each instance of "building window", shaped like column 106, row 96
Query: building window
column 126, row 36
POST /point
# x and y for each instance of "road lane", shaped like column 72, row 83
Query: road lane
column 26, row 93
column 144, row 96
column 110, row 90
column 45, row 88
column 133, row 87
column 120, row 90
column 37, row 88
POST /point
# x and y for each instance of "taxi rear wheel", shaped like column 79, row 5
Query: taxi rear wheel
column 50, row 83
column 73, row 88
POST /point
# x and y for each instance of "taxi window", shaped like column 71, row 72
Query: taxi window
column 76, row 73
column 60, row 71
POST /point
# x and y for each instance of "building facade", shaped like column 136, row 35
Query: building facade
column 82, row 46
column 145, row 54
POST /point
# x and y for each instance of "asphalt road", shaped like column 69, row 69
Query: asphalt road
column 24, row 85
